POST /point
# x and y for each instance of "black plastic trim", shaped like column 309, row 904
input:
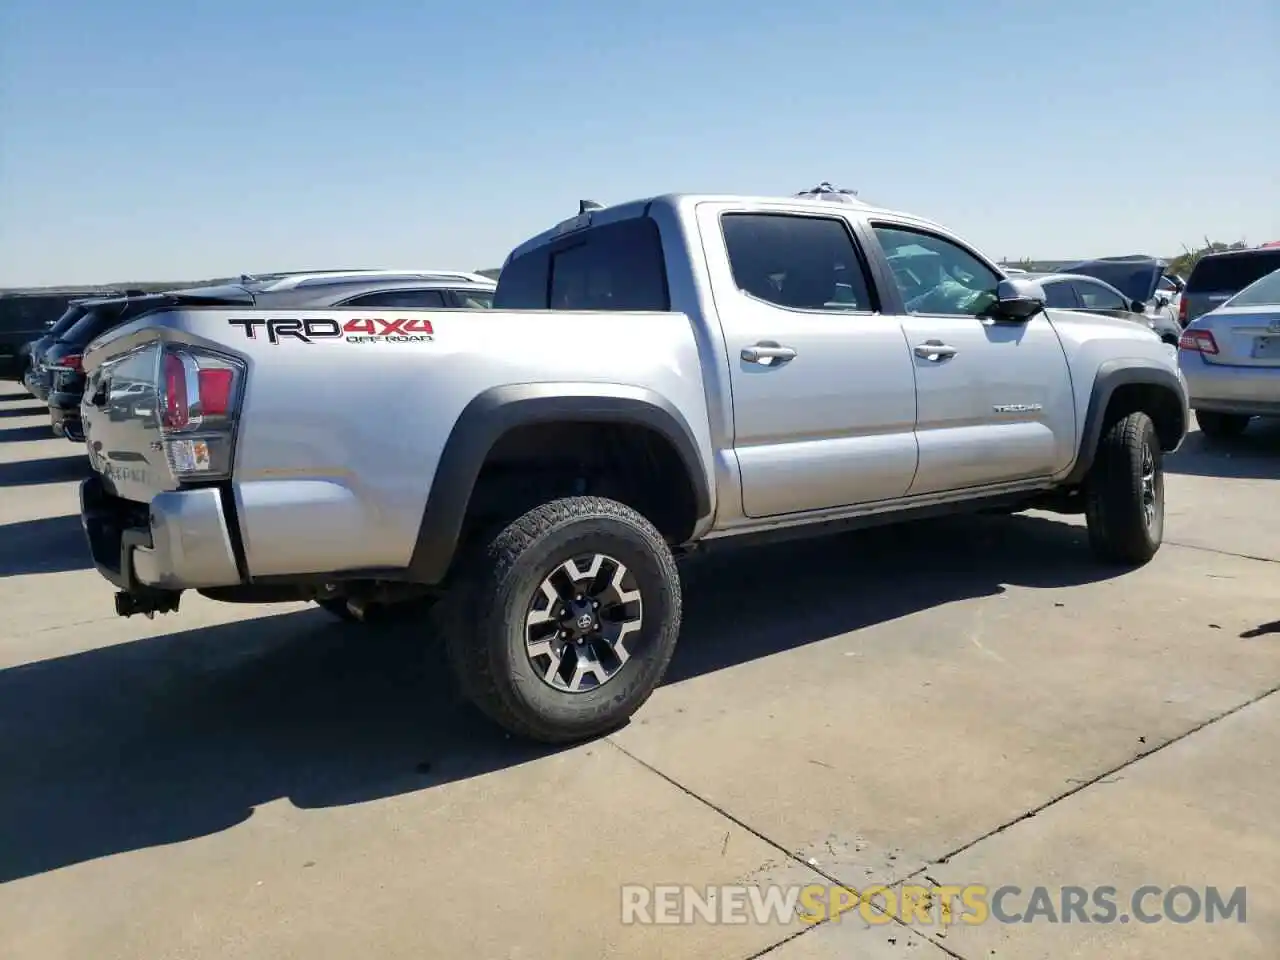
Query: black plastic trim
column 1111, row 375
column 231, row 517
column 111, row 544
column 500, row 409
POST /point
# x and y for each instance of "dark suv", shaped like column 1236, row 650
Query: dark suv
column 26, row 317
column 301, row 292
column 1217, row 277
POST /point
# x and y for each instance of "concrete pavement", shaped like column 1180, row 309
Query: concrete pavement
column 969, row 701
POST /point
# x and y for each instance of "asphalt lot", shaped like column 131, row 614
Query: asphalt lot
column 969, row 701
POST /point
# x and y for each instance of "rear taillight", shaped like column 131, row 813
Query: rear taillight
column 1201, row 341
column 72, row 362
column 1182, row 310
column 199, row 396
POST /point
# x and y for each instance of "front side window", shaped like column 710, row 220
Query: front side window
column 799, row 262
column 935, row 275
column 1095, row 296
column 409, row 299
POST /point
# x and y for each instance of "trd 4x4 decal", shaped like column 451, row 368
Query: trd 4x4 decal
column 359, row 330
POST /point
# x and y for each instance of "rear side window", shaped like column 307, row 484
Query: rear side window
column 408, row 299
column 1060, row 294
column 473, row 299
column 615, row 266
column 95, row 321
column 1097, row 297
column 1260, row 293
column 1232, row 272
column 800, row 262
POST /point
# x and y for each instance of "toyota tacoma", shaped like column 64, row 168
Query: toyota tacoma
column 655, row 376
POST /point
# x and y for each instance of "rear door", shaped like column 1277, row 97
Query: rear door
column 822, row 380
column 994, row 402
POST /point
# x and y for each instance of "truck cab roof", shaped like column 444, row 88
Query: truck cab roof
column 680, row 203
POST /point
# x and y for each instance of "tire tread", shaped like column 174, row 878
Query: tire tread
column 483, row 572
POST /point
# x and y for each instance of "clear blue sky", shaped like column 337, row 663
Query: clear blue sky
column 152, row 141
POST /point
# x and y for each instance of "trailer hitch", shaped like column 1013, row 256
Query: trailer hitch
column 148, row 604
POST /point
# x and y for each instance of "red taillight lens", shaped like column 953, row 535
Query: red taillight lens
column 176, row 415
column 215, row 392
column 1182, row 309
column 72, row 362
column 1200, row 341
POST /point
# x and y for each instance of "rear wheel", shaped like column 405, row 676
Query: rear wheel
column 562, row 624
column 1124, row 500
column 1221, row 426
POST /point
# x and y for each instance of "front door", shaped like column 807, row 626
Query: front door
column 823, row 384
column 994, row 402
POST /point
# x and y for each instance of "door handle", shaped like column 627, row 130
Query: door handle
column 767, row 350
column 935, row 351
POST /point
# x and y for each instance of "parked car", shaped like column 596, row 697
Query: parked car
column 1230, row 358
column 36, row 376
column 1143, row 287
column 25, row 317
column 299, row 291
column 661, row 375
column 1078, row 292
column 1217, row 277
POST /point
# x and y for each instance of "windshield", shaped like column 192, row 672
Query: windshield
column 1135, row 279
column 95, row 320
column 1260, row 293
column 64, row 322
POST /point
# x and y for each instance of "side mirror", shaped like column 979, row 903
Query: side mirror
column 1017, row 301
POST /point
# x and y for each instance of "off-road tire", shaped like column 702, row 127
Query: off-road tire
column 1221, row 426
column 483, row 618
column 1119, row 528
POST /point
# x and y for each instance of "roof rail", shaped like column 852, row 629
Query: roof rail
column 317, row 278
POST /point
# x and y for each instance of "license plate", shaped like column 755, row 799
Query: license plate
column 1266, row 348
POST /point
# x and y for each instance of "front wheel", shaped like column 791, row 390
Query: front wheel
column 1124, row 499
column 562, row 625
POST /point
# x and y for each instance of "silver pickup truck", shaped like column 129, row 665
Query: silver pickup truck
column 670, row 373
